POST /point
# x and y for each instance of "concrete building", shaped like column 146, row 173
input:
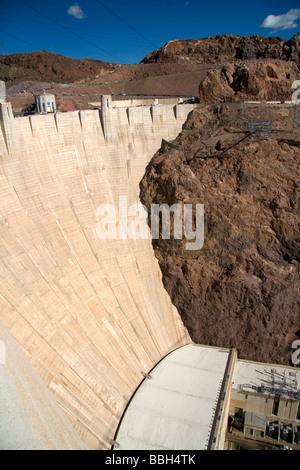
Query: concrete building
column 265, row 406
column 45, row 103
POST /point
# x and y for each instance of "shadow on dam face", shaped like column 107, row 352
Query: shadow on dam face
column 91, row 315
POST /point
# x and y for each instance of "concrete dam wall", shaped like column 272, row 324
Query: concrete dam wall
column 91, row 315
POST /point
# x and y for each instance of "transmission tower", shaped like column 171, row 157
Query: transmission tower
column 3, row 47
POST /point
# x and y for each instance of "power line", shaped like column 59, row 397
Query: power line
column 81, row 37
column 22, row 40
column 75, row 34
column 125, row 22
column 4, row 50
column 84, row 39
column 70, row 31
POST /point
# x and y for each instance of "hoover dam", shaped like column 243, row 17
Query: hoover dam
column 83, row 320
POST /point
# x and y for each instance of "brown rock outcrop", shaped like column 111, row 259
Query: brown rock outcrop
column 226, row 48
column 242, row 288
column 291, row 49
column 261, row 80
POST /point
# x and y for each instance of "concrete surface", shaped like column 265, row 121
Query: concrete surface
column 91, row 315
column 30, row 418
column 174, row 408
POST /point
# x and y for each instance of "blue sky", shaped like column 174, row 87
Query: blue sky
column 126, row 31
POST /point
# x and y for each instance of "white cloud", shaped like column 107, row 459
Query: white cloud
column 75, row 10
column 282, row 22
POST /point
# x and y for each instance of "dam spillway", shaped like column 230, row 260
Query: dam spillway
column 90, row 315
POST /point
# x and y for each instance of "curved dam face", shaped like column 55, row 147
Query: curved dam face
column 91, row 315
column 30, row 418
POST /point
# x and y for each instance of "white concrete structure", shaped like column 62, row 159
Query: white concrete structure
column 91, row 315
column 30, row 418
column 2, row 92
column 175, row 407
column 45, row 103
column 129, row 102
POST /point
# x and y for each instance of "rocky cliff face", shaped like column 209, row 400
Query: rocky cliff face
column 291, row 49
column 263, row 80
column 227, row 48
column 242, row 288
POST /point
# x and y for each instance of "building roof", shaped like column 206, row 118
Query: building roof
column 45, row 95
column 175, row 407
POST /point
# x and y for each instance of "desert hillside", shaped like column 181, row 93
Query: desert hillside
column 226, row 48
column 227, row 67
column 47, row 66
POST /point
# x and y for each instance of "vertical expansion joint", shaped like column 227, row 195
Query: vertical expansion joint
column 128, row 115
column 176, row 111
column 56, row 120
column 106, row 117
column 80, row 118
column 7, row 124
column 151, row 111
column 6, row 112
